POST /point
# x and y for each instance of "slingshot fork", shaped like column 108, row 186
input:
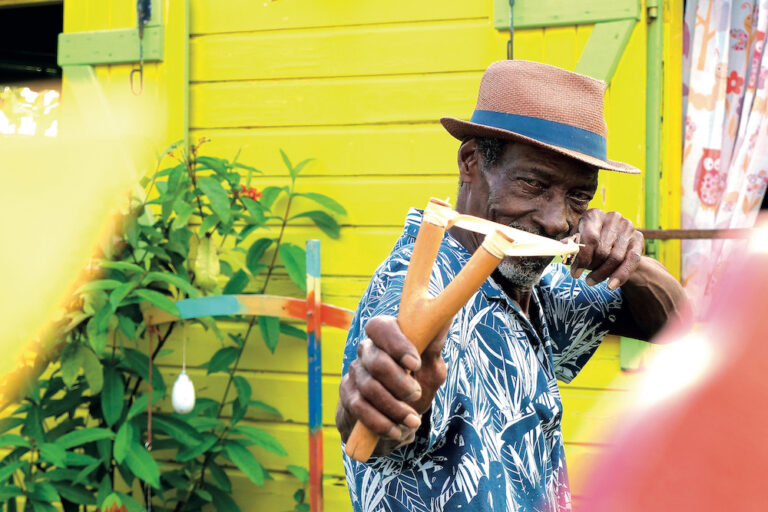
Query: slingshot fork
column 421, row 317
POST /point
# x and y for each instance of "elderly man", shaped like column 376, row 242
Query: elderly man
column 473, row 423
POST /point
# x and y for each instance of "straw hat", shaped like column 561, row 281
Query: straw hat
column 542, row 105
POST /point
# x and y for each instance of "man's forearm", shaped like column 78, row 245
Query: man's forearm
column 653, row 296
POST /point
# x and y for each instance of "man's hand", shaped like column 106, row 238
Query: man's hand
column 378, row 389
column 612, row 250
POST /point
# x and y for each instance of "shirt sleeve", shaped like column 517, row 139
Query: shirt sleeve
column 578, row 318
column 383, row 298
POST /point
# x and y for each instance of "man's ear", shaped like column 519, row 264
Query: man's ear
column 469, row 163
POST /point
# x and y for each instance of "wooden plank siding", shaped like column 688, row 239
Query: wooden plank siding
column 360, row 87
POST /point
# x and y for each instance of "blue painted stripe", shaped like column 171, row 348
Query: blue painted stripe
column 218, row 305
column 546, row 131
column 313, row 258
column 314, row 382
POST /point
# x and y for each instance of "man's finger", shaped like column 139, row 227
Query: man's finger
column 390, row 374
column 362, row 410
column 614, row 259
column 382, row 400
column 630, row 263
column 589, row 230
column 386, row 335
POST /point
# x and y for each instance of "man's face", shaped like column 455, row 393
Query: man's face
column 536, row 190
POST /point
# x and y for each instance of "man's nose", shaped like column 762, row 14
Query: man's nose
column 552, row 218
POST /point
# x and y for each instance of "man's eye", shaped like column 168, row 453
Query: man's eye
column 581, row 197
column 532, row 182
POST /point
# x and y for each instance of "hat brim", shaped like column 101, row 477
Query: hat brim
column 465, row 129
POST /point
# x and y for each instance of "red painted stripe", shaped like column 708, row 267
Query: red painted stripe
column 316, row 471
column 335, row 316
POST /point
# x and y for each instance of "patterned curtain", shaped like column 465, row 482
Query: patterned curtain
column 725, row 148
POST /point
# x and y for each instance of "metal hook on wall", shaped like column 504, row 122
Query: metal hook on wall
column 143, row 15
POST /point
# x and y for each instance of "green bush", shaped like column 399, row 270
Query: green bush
column 85, row 424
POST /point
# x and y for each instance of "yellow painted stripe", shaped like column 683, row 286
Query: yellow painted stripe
column 418, row 99
column 350, row 150
column 442, row 47
column 247, row 15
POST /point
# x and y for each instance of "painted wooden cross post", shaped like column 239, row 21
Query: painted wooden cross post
column 314, row 377
column 311, row 310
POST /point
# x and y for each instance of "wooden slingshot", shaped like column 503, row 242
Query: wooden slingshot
column 422, row 317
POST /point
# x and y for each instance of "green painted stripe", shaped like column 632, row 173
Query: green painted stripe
column 550, row 13
column 110, row 46
column 604, row 49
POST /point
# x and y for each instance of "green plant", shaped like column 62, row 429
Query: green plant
column 78, row 436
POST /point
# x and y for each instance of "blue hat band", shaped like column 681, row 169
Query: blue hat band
column 546, row 131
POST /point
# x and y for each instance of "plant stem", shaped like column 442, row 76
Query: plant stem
column 279, row 240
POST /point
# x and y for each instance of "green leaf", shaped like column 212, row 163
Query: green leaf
column 270, row 331
column 243, row 390
column 177, row 429
column 53, row 453
column 71, row 362
column 7, row 424
column 183, row 212
column 112, row 395
column 294, row 259
column 141, row 463
column 219, row 477
column 218, row 165
column 325, row 222
column 177, row 281
column 9, row 491
column 287, row 162
column 7, row 471
column 324, row 200
column 139, row 362
column 205, row 495
column 300, row 166
column 256, row 212
column 33, row 426
column 223, row 501
column 237, row 283
column 264, row 407
column 245, row 461
column 221, row 360
column 260, row 438
column 298, row 496
column 127, row 326
column 190, row 453
column 217, row 197
column 208, row 222
column 75, row 493
column 97, row 329
column 122, row 441
column 123, row 266
column 86, row 435
column 99, row 284
column 299, row 472
column 255, row 253
column 158, row 300
column 79, row 459
column 119, row 293
column 93, row 370
column 140, row 404
column 270, row 194
column 42, row 491
column 292, row 330
column 206, row 265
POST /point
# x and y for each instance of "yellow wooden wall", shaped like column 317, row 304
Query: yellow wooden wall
column 359, row 87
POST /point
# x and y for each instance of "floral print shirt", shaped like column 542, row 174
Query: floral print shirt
column 493, row 441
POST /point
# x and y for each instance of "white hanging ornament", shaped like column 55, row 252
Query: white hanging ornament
column 183, row 394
